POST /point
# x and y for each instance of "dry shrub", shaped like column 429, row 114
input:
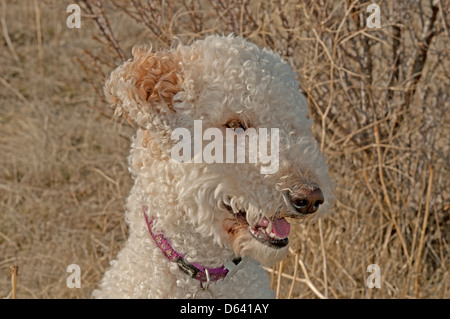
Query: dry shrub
column 378, row 98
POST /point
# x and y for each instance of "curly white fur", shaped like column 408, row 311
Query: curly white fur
column 215, row 79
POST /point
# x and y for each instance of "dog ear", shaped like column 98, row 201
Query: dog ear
column 142, row 89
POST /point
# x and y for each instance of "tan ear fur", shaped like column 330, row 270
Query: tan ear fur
column 144, row 86
column 157, row 76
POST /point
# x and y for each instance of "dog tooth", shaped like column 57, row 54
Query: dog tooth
column 269, row 228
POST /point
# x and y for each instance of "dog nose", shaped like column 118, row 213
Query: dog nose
column 306, row 201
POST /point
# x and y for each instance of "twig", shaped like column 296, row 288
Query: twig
column 421, row 56
column 324, row 256
column 280, row 271
column 14, row 275
column 419, row 212
column 103, row 24
column 39, row 37
column 291, row 290
column 272, row 277
column 424, row 228
column 386, row 195
column 444, row 18
column 5, row 33
column 306, row 280
column 16, row 92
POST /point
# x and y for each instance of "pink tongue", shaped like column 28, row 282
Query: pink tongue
column 281, row 227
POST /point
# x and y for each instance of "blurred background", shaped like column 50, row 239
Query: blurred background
column 378, row 97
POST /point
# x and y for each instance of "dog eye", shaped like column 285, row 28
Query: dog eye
column 236, row 125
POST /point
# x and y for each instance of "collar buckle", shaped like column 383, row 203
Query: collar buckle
column 187, row 268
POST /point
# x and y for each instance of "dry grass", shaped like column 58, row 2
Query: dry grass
column 378, row 97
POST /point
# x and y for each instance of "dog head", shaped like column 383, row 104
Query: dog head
column 224, row 130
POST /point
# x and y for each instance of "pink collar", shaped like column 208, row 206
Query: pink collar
column 195, row 270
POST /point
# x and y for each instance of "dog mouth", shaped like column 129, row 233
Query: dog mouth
column 272, row 232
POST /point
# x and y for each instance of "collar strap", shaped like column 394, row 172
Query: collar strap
column 193, row 269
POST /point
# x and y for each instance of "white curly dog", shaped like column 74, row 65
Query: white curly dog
column 202, row 226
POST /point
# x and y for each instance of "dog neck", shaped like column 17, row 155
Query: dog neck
column 199, row 272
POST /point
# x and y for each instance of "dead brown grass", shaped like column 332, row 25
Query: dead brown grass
column 378, row 97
